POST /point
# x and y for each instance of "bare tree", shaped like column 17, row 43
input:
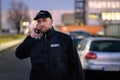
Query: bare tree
column 18, row 12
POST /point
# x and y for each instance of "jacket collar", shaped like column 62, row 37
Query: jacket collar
column 49, row 33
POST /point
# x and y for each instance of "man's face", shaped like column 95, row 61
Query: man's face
column 44, row 24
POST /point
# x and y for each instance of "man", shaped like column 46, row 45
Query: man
column 52, row 54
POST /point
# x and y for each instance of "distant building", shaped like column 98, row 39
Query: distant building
column 95, row 13
column 105, row 10
column 68, row 19
column 79, row 11
column 106, row 13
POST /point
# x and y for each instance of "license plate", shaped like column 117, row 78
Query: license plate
column 112, row 69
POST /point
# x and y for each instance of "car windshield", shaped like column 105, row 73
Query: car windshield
column 76, row 41
column 105, row 46
column 80, row 33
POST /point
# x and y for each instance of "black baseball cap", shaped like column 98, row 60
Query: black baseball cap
column 43, row 14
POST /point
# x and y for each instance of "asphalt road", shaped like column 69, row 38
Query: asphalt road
column 12, row 68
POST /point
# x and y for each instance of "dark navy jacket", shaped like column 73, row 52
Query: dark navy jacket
column 53, row 57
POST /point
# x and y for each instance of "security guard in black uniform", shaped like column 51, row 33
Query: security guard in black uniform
column 52, row 53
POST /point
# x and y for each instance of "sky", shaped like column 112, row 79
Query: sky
column 58, row 7
column 43, row 4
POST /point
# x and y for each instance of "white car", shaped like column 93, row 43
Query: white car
column 100, row 54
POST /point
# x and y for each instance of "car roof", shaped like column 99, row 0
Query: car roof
column 102, row 38
column 79, row 31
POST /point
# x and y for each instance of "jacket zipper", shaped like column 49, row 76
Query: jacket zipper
column 45, row 38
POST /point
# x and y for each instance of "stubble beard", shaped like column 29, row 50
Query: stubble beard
column 46, row 29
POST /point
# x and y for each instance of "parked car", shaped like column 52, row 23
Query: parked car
column 76, row 40
column 100, row 54
column 79, row 33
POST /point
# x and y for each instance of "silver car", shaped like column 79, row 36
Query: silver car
column 101, row 54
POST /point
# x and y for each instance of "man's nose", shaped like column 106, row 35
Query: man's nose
column 41, row 23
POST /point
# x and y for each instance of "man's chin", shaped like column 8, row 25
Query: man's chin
column 43, row 31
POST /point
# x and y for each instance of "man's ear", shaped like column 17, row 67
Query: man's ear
column 51, row 21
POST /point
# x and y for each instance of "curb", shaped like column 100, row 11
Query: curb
column 9, row 44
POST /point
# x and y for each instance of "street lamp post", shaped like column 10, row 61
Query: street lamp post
column 0, row 17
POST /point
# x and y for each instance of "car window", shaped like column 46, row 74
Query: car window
column 76, row 41
column 82, row 44
column 105, row 46
column 79, row 33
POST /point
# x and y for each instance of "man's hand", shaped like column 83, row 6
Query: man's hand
column 33, row 34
